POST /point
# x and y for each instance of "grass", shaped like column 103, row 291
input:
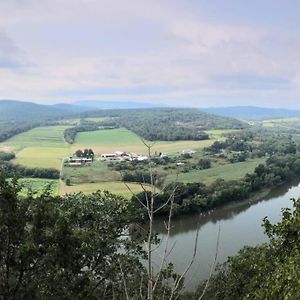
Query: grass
column 42, row 147
column 111, row 140
column 41, row 157
column 116, row 187
column 38, row 185
column 97, row 172
column 97, row 119
column 226, row 172
column 220, row 132
column 47, row 136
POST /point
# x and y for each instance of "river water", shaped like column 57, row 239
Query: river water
column 238, row 224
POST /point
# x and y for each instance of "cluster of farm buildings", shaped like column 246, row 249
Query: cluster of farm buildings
column 123, row 156
column 73, row 161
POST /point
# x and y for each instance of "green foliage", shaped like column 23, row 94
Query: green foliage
column 7, row 156
column 269, row 271
column 12, row 170
column 65, row 248
column 168, row 124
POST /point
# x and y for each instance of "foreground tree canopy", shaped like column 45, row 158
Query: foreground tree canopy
column 64, row 248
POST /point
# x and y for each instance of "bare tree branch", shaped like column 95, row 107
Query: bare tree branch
column 213, row 265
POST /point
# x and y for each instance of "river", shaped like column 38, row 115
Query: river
column 239, row 225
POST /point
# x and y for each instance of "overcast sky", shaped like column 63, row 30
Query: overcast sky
column 180, row 52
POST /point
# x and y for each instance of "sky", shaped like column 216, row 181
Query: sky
column 198, row 53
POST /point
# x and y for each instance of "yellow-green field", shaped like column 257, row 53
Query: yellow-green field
column 226, row 172
column 40, row 147
column 37, row 185
column 116, row 187
column 220, row 132
column 111, row 140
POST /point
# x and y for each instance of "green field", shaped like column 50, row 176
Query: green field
column 226, row 172
column 117, row 187
column 97, row 119
column 220, row 132
column 97, row 172
column 111, row 140
column 38, row 185
column 40, row 147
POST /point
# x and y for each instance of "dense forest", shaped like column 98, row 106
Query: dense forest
column 169, row 124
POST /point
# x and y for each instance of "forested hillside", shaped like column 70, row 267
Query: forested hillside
column 168, row 123
column 252, row 112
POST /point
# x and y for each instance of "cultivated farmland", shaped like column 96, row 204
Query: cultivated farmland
column 39, row 147
column 107, row 141
column 117, row 187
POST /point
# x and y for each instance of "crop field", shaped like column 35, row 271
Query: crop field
column 38, row 185
column 111, row 140
column 39, row 147
column 116, row 187
column 226, row 172
column 97, row 172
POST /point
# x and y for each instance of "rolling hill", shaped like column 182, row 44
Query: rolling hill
column 252, row 112
column 115, row 104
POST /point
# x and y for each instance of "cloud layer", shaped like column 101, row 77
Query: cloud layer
column 177, row 52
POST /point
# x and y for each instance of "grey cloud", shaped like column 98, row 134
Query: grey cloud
column 10, row 55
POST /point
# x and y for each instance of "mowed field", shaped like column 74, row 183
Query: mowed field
column 40, row 147
column 98, row 171
column 226, row 172
column 116, row 187
column 111, row 140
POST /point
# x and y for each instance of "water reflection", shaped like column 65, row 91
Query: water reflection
column 240, row 225
column 193, row 222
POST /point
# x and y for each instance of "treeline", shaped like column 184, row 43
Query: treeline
column 84, row 126
column 70, row 133
column 196, row 197
column 249, row 144
column 168, row 123
column 174, row 124
column 9, row 129
column 12, row 170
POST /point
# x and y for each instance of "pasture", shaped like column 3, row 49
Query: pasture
column 39, row 147
column 116, row 187
column 226, row 172
column 111, row 140
column 97, row 172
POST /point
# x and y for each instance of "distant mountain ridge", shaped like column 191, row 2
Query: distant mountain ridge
column 252, row 112
column 116, row 104
column 18, row 111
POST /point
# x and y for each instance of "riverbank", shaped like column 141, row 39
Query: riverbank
column 239, row 223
